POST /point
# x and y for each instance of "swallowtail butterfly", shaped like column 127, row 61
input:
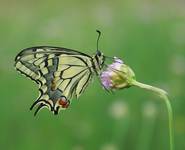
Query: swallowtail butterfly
column 60, row 72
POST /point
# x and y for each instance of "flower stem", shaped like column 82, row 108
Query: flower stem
column 163, row 95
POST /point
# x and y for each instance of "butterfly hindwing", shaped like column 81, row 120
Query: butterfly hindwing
column 61, row 74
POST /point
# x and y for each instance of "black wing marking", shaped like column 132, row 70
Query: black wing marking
column 60, row 72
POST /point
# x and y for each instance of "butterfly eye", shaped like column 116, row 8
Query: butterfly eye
column 98, row 53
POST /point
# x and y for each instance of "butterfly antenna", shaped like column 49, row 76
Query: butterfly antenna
column 99, row 34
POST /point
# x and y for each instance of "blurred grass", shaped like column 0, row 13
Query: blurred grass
column 149, row 36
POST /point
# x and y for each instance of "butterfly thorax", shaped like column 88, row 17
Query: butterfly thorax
column 98, row 62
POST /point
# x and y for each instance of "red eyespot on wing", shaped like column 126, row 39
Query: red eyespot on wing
column 63, row 102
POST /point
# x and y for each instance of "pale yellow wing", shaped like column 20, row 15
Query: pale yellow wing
column 60, row 73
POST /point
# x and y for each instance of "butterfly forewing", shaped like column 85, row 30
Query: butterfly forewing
column 61, row 74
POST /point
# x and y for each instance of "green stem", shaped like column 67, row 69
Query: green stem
column 163, row 95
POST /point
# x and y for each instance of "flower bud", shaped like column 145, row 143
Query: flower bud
column 117, row 75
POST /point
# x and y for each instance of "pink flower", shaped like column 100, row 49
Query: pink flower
column 117, row 75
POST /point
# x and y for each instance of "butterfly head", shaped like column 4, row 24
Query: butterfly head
column 100, row 58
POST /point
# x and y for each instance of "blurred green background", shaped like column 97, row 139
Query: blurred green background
column 149, row 36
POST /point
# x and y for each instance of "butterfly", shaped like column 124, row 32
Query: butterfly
column 61, row 73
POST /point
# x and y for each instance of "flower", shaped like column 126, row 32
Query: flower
column 117, row 75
